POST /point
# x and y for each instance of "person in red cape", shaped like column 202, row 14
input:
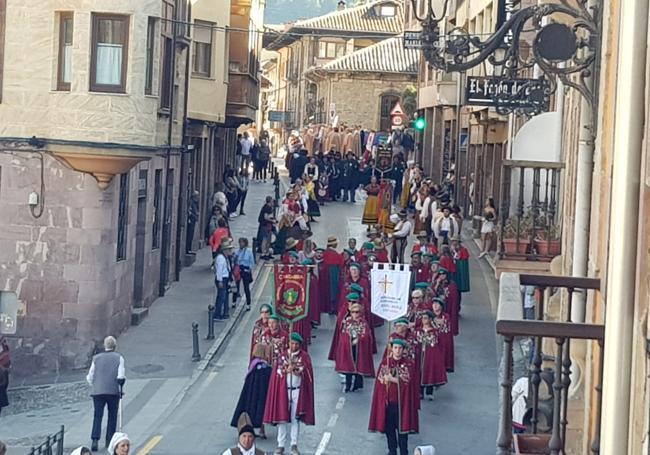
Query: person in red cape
column 276, row 338
column 260, row 326
column 393, row 411
column 447, row 290
column 432, row 357
column 423, row 245
column 314, row 293
column 354, row 349
column 354, row 276
column 445, row 337
column 418, row 304
column 380, row 251
column 331, row 268
column 403, row 331
column 421, row 273
column 351, row 299
column 446, row 261
column 290, row 398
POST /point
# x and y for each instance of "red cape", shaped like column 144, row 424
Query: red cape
column 277, row 399
column 423, row 274
column 452, row 307
column 314, row 299
column 412, row 354
column 432, row 358
column 408, row 412
column 345, row 362
column 447, row 263
column 446, row 339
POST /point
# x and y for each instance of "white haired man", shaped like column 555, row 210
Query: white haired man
column 106, row 378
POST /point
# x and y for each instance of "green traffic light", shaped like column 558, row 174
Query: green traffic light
column 420, row 124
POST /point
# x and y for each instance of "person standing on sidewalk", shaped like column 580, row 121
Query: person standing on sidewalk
column 245, row 260
column 266, row 220
column 246, row 146
column 192, row 218
column 222, row 276
column 244, row 181
column 106, row 378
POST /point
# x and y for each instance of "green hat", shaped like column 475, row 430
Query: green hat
column 307, row 262
column 429, row 313
column 320, row 248
column 428, row 254
column 356, row 265
column 352, row 296
column 356, row 288
column 296, row 337
column 368, row 245
column 422, row 285
column 274, row 317
column 401, row 321
column 443, row 270
column 266, row 306
column 399, row 342
column 294, row 254
column 435, row 257
column 440, row 301
column 349, row 251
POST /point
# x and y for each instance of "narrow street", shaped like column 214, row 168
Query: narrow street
column 200, row 424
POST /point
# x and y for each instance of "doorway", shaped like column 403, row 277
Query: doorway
column 140, row 235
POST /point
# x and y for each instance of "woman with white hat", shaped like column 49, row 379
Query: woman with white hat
column 81, row 451
column 120, row 444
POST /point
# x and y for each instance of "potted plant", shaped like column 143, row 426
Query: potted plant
column 548, row 242
column 516, row 235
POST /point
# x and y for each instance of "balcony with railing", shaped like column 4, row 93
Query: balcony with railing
column 243, row 91
column 542, row 420
column 529, row 225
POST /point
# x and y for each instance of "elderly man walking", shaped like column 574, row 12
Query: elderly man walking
column 106, row 378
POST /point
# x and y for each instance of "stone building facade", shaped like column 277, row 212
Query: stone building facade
column 92, row 117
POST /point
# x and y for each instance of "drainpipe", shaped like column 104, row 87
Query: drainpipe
column 624, row 224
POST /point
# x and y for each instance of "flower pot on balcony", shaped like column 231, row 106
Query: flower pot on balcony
column 510, row 246
column 548, row 248
column 531, row 444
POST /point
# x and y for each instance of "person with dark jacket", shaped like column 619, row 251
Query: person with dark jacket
column 336, row 169
column 298, row 164
column 350, row 178
column 397, row 174
column 192, row 218
column 106, row 378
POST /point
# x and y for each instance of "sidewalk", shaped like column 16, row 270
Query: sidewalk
column 158, row 355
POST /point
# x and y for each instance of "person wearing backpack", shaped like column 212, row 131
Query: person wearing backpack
column 263, row 157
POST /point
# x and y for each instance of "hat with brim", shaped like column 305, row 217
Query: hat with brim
column 379, row 244
column 368, row 246
column 422, row 234
column 227, row 245
column 402, row 214
column 294, row 254
column 428, row 255
column 352, row 296
column 307, row 262
column 443, row 271
column 291, row 243
column 356, row 265
column 332, row 241
column 371, row 232
column 266, row 306
column 320, row 248
column 455, row 239
column 296, row 337
column 404, row 321
column 399, row 342
column 274, row 317
column 349, row 251
column 422, row 285
column 439, row 301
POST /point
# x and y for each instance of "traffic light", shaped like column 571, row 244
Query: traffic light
column 420, row 124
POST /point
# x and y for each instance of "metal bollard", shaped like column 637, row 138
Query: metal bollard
column 196, row 355
column 210, row 323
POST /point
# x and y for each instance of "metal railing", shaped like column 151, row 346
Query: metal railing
column 530, row 196
column 53, row 445
column 510, row 324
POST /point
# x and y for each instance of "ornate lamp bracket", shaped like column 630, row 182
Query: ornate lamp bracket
column 565, row 45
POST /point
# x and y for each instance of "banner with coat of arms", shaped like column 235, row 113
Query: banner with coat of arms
column 291, row 293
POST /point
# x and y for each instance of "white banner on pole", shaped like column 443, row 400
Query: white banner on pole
column 390, row 284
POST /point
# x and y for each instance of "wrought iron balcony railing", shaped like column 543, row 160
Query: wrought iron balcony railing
column 545, row 421
column 529, row 226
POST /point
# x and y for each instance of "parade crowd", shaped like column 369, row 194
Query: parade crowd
column 399, row 205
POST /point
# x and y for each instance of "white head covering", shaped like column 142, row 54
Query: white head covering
column 77, row 451
column 115, row 440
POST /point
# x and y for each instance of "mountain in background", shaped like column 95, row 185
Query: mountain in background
column 281, row 11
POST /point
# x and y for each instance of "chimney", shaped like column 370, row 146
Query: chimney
column 340, row 6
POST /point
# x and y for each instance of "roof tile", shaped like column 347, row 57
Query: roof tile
column 387, row 56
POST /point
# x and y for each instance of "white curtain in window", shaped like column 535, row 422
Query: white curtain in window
column 67, row 64
column 109, row 64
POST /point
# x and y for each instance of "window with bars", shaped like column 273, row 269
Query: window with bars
column 202, row 51
column 157, row 195
column 110, row 38
column 123, row 217
column 66, row 27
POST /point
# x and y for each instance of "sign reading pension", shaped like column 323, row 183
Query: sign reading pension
column 500, row 92
column 291, row 295
column 390, row 285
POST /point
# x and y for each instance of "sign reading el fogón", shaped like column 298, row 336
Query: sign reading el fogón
column 291, row 294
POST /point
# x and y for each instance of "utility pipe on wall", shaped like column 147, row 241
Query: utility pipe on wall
column 624, row 223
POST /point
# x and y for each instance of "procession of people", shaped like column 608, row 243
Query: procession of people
column 416, row 355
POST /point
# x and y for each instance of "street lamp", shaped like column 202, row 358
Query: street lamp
column 561, row 49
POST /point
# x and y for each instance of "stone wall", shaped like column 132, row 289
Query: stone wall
column 63, row 266
column 358, row 97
